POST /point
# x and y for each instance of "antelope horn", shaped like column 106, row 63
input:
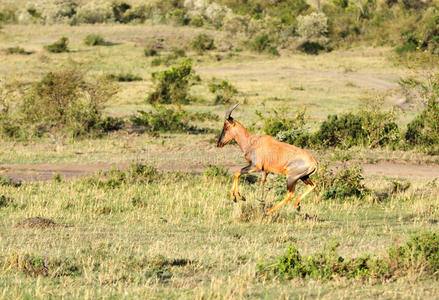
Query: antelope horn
column 229, row 112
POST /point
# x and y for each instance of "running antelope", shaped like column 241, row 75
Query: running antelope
column 265, row 153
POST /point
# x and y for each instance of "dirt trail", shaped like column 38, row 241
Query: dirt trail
column 42, row 172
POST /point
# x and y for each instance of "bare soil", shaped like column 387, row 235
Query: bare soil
column 37, row 222
column 44, row 172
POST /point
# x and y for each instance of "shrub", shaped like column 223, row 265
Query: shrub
column 123, row 77
column 51, row 12
column 197, row 21
column 286, row 129
column 371, row 127
column 172, row 86
column 420, row 255
column 96, row 11
column 263, row 43
column 94, row 39
column 119, row 8
column 423, row 130
column 178, row 16
column 342, row 182
column 216, row 171
column 162, row 119
column 224, row 91
column 313, row 30
column 58, row 46
column 62, row 102
column 150, row 52
column 202, row 42
column 410, row 43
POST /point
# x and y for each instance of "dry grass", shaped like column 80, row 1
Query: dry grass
column 182, row 237
column 128, row 241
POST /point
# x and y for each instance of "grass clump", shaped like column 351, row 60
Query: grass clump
column 6, row 201
column 16, row 50
column 123, row 77
column 202, row 42
column 224, row 91
column 94, row 39
column 150, row 52
column 420, row 255
column 168, row 59
column 137, row 173
column 35, row 265
column 172, row 85
column 59, row 46
column 215, row 171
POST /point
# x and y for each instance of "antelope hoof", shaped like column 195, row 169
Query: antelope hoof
column 298, row 208
column 234, row 199
column 242, row 198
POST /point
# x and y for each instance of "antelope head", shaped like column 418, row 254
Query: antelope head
column 228, row 132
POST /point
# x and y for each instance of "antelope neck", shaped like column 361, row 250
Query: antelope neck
column 243, row 137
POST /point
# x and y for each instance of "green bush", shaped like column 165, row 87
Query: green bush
column 423, row 131
column 178, row 17
column 420, row 255
column 286, row 129
column 313, row 30
column 371, row 127
column 123, row 77
column 94, row 39
column 410, row 44
column 59, row 46
column 62, row 102
column 172, row 85
column 197, row 21
column 342, row 182
column 119, row 8
column 216, row 171
column 202, row 42
column 263, row 43
column 162, row 119
column 223, row 90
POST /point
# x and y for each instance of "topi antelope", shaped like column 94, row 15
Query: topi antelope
column 265, row 153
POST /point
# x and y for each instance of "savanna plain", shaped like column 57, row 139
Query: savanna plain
column 140, row 211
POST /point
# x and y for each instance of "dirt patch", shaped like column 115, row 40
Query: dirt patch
column 391, row 169
column 37, row 222
column 43, row 172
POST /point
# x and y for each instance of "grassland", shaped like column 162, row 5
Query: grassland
column 180, row 236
